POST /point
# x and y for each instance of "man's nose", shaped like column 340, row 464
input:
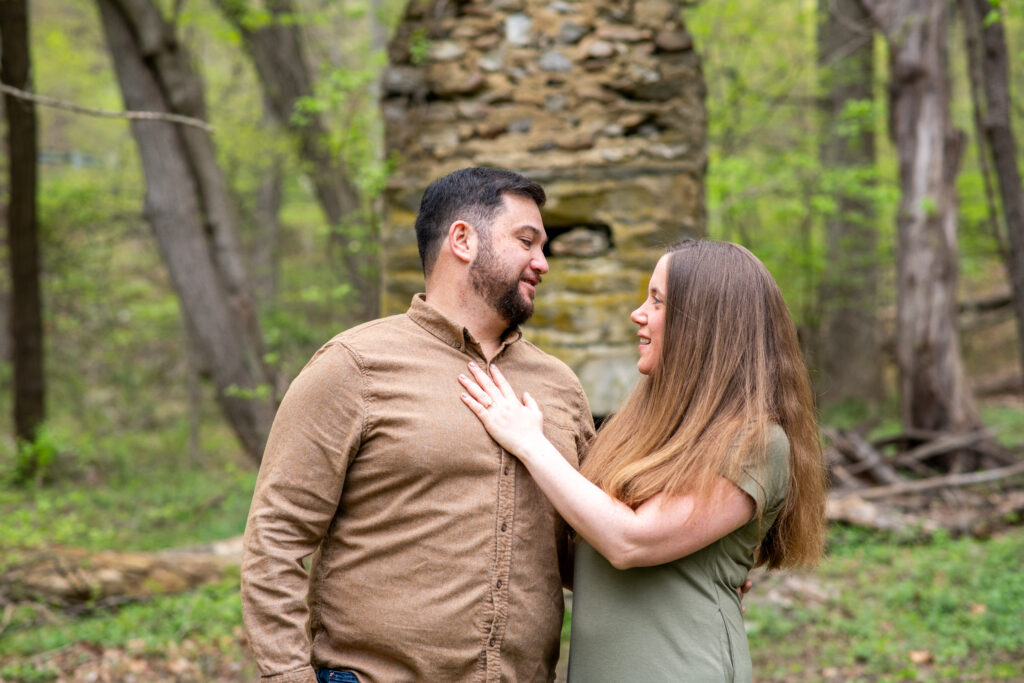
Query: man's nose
column 539, row 263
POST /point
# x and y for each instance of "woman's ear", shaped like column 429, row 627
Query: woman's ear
column 462, row 240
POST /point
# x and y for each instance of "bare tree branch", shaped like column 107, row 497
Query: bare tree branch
column 142, row 115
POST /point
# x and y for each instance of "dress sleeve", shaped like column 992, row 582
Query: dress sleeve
column 315, row 435
column 769, row 483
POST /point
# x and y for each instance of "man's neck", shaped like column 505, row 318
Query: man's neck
column 467, row 309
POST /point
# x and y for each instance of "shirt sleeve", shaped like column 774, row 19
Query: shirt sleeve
column 768, row 484
column 315, row 435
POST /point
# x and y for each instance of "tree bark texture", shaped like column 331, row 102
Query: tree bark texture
column 265, row 255
column 279, row 56
column 189, row 208
column 849, row 356
column 1001, row 143
column 934, row 393
column 26, row 308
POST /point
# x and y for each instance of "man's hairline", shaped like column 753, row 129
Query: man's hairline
column 484, row 230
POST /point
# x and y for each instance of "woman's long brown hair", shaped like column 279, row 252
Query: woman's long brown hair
column 730, row 367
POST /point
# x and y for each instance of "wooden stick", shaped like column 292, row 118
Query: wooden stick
column 867, row 458
column 908, row 435
column 937, row 482
column 943, row 445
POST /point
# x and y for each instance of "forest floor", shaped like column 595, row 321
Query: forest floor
column 876, row 610
column 880, row 607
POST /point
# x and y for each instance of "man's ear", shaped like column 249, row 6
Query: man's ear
column 462, row 239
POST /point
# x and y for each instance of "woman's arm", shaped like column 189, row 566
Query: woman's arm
column 662, row 529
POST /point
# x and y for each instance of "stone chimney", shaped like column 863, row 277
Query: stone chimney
column 600, row 102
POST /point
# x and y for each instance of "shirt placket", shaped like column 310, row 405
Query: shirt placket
column 504, row 518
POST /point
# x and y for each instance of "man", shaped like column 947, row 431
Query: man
column 437, row 558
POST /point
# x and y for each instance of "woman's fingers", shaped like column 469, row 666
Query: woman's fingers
column 484, row 380
column 475, row 392
column 473, row 404
column 502, row 383
column 529, row 402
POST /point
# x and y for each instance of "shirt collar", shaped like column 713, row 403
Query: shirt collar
column 451, row 333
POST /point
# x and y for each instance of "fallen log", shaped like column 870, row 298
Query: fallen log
column 67, row 577
column 852, row 509
column 1004, row 385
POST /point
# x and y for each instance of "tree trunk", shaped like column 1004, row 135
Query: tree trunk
column 277, row 51
column 849, row 355
column 26, row 317
column 189, row 209
column 265, row 250
column 1001, row 143
column 933, row 388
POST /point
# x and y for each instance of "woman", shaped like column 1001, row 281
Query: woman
column 712, row 466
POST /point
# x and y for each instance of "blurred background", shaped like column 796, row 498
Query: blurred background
column 197, row 194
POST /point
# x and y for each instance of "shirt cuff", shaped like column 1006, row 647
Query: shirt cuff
column 303, row 675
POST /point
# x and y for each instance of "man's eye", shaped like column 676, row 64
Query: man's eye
column 526, row 241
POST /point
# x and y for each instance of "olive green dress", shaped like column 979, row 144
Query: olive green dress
column 679, row 621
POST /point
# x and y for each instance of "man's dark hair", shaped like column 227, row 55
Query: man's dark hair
column 470, row 194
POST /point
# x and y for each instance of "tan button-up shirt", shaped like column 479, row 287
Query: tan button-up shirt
column 437, row 557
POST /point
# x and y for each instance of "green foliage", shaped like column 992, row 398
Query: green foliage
column 33, row 459
column 952, row 599
column 766, row 186
column 343, row 95
column 1007, row 421
column 27, row 672
column 129, row 510
column 261, row 392
column 112, row 322
column 210, row 613
column 419, row 46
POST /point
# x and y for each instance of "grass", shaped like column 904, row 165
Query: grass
column 192, row 636
column 885, row 609
column 147, row 511
column 945, row 610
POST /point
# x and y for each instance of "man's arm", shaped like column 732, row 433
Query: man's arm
column 315, row 435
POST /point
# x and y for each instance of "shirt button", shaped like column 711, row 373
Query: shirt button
column 491, row 642
column 506, row 469
column 499, row 583
column 504, row 527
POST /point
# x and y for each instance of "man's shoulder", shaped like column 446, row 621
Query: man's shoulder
column 544, row 361
column 359, row 342
column 370, row 334
column 555, row 371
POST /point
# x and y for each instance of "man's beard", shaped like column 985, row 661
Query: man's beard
column 498, row 288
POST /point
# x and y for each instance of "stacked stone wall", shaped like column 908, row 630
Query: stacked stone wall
column 602, row 103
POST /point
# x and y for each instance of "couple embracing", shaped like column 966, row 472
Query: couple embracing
column 445, row 475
